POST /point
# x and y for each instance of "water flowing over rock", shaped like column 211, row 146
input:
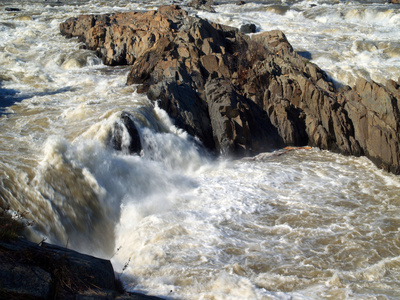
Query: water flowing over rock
column 240, row 94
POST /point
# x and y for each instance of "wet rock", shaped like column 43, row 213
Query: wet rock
column 248, row 28
column 185, row 106
column 239, row 94
column 394, row 1
column 125, row 136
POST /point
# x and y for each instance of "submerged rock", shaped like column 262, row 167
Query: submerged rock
column 240, row 94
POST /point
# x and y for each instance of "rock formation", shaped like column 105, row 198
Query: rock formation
column 239, row 94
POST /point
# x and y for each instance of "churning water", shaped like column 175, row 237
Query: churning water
column 305, row 224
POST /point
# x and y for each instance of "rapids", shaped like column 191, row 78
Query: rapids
column 176, row 222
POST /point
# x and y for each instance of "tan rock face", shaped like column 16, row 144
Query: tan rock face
column 270, row 96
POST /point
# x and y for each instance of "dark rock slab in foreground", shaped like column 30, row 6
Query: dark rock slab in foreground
column 239, row 94
column 45, row 271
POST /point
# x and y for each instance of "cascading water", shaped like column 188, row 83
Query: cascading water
column 307, row 224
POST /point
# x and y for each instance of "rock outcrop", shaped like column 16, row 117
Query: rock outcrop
column 239, row 94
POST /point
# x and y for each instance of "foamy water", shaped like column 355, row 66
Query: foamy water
column 303, row 224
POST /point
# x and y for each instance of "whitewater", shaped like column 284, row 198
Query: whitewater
column 174, row 220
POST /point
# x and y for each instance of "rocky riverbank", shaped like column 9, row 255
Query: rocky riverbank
column 240, row 94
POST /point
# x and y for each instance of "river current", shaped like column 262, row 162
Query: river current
column 175, row 222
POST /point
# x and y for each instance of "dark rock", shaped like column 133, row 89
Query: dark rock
column 305, row 54
column 240, row 3
column 125, row 136
column 184, row 105
column 24, row 281
column 12, row 9
column 56, row 271
column 248, row 28
column 239, row 126
column 45, row 271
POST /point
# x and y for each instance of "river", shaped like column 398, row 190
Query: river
column 176, row 222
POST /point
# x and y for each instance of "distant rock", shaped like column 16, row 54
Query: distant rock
column 394, row 1
column 241, row 94
column 203, row 5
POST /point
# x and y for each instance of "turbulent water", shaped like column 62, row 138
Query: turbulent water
column 303, row 224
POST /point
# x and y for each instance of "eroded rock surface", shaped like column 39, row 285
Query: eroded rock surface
column 240, row 94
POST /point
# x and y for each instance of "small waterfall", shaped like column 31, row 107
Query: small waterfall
column 86, row 182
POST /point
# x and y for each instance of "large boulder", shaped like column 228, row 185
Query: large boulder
column 241, row 94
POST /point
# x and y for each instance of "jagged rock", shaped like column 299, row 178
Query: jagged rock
column 240, row 127
column 186, row 63
column 125, row 136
